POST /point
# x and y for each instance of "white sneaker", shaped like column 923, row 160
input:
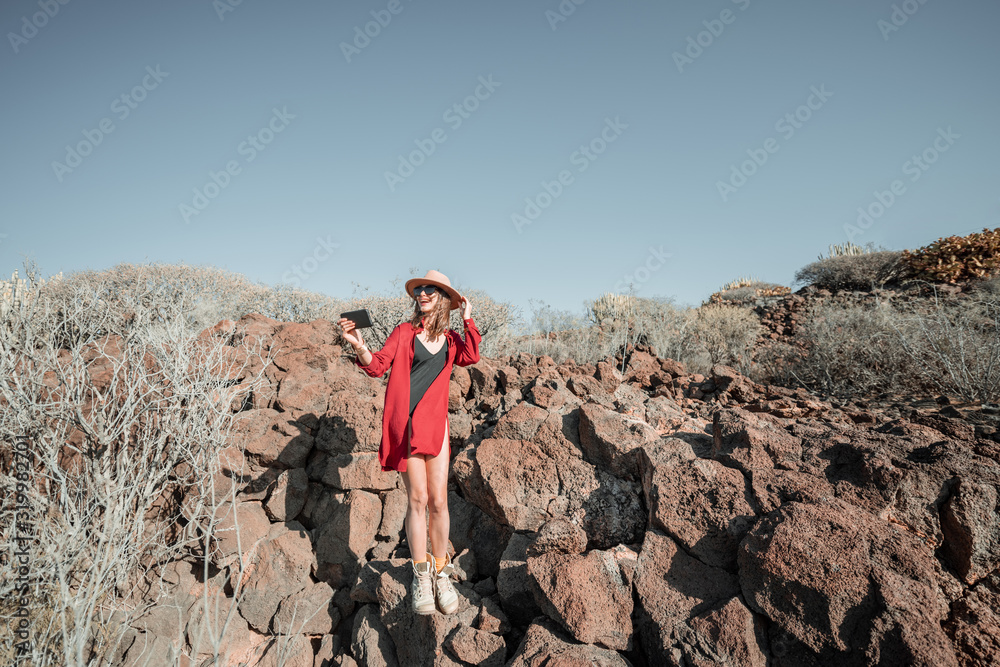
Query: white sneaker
column 422, row 588
column 444, row 592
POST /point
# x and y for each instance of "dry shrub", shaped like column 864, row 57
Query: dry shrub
column 776, row 362
column 853, row 272
column 89, row 304
column 697, row 337
column 560, row 334
column 610, row 306
column 121, row 409
column 202, row 295
column 577, row 345
column 608, row 325
column 723, row 335
column 852, row 350
column 987, row 289
column 943, row 346
column 667, row 328
column 653, row 321
column 956, row 346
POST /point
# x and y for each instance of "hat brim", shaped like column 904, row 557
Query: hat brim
column 452, row 292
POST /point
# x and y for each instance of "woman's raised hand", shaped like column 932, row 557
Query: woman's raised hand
column 351, row 335
column 466, row 308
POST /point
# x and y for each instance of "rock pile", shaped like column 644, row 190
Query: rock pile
column 651, row 517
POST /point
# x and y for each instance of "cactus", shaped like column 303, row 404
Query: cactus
column 611, row 306
column 846, row 249
column 743, row 281
column 16, row 291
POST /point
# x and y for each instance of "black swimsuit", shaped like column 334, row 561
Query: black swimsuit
column 425, row 368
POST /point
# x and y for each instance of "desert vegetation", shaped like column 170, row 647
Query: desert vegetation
column 946, row 345
column 921, row 323
column 698, row 337
column 122, row 388
column 123, row 414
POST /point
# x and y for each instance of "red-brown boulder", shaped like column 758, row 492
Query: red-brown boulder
column 545, row 644
column 850, row 585
column 344, row 539
column 590, row 594
column 672, row 588
column 971, row 524
column 520, row 422
column 353, row 424
column 703, row 504
column 754, row 441
column 279, row 568
column 609, row 439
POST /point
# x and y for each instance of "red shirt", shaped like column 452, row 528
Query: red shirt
column 431, row 414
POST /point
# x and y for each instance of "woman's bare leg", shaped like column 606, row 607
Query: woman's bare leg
column 415, row 482
column 436, row 475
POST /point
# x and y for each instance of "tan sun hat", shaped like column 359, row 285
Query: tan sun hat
column 437, row 279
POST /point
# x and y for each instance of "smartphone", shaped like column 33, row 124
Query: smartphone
column 361, row 318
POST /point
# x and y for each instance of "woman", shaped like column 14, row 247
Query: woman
column 415, row 422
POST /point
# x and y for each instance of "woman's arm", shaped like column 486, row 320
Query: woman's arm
column 379, row 362
column 467, row 351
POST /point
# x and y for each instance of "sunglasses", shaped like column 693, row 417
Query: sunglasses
column 424, row 289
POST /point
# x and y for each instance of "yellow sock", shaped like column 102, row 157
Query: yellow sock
column 417, row 562
column 439, row 562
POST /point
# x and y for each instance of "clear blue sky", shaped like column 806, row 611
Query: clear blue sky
column 201, row 78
